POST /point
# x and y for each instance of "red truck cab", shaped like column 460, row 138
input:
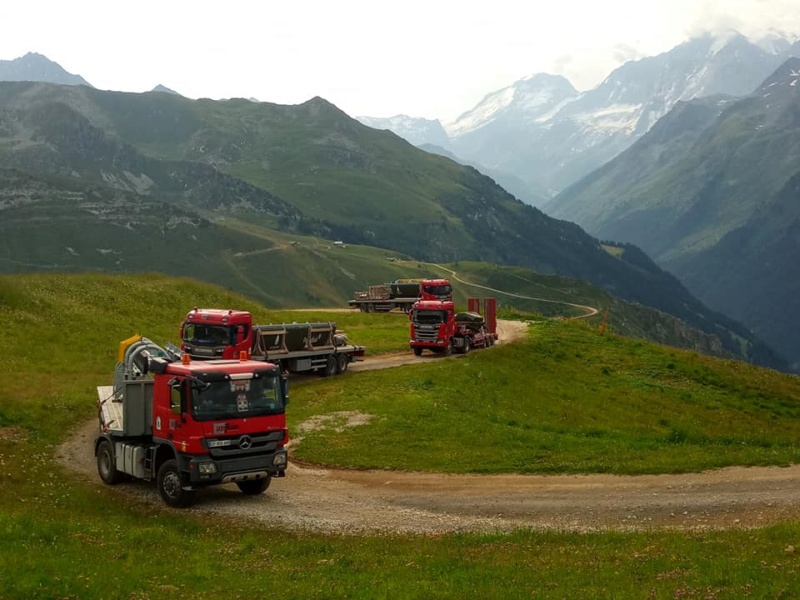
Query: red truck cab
column 432, row 326
column 437, row 326
column 216, row 333
column 191, row 424
column 436, row 289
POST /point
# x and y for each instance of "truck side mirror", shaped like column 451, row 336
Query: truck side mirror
column 285, row 388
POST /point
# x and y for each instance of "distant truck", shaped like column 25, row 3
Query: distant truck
column 436, row 326
column 402, row 294
column 191, row 424
column 211, row 333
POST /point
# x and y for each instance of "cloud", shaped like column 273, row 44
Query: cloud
column 623, row 53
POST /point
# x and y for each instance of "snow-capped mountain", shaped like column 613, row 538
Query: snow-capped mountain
column 544, row 132
column 536, row 99
column 591, row 128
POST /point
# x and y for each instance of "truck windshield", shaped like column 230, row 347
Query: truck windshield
column 207, row 335
column 439, row 291
column 429, row 317
column 236, row 399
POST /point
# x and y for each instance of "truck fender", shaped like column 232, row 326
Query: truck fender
column 164, row 452
column 99, row 439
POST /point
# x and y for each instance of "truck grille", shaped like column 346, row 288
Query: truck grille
column 426, row 333
column 255, row 443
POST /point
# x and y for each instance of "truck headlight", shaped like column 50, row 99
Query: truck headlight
column 207, row 468
column 279, row 460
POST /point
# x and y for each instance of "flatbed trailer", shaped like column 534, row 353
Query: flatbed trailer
column 371, row 305
column 209, row 333
column 402, row 294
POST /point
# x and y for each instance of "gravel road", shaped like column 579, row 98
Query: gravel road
column 367, row 502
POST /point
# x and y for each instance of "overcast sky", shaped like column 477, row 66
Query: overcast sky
column 380, row 58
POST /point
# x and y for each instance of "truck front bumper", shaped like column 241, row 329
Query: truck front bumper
column 205, row 470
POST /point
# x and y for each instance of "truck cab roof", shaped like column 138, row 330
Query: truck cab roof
column 218, row 315
column 434, row 305
column 203, row 368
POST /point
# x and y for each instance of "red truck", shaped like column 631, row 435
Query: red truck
column 212, row 333
column 191, row 424
column 402, row 294
column 437, row 326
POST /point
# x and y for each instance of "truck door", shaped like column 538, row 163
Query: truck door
column 169, row 407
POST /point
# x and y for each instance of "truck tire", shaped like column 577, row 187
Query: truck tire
column 417, row 351
column 170, row 486
column 330, row 367
column 342, row 361
column 254, row 487
column 447, row 350
column 467, row 346
column 106, row 465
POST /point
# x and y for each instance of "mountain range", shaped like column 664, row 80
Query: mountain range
column 155, row 181
column 95, row 179
column 544, row 132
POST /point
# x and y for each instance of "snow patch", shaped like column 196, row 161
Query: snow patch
column 614, row 118
column 482, row 114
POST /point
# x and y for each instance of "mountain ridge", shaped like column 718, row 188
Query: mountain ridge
column 37, row 67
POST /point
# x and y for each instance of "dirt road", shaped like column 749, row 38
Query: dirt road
column 362, row 502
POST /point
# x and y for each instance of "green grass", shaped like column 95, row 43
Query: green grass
column 566, row 400
column 64, row 537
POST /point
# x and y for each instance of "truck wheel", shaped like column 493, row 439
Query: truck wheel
column 447, row 350
column 170, row 486
column 342, row 361
column 106, row 465
column 467, row 346
column 254, row 486
column 417, row 351
column 330, row 367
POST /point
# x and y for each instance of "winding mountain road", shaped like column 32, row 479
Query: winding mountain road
column 589, row 311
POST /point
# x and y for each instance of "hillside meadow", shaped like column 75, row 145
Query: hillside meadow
column 556, row 402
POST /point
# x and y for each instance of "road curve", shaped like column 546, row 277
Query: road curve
column 368, row 502
column 589, row 311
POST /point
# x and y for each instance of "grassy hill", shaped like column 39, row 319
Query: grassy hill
column 566, row 400
column 666, row 410
column 60, row 225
